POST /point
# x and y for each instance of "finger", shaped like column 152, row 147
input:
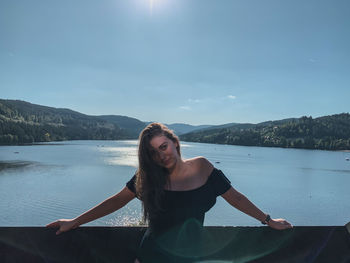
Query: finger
column 288, row 225
column 53, row 224
column 58, row 232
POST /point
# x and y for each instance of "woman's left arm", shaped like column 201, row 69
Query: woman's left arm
column 242, row 203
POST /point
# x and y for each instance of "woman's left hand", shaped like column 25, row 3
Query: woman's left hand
column 279, row 224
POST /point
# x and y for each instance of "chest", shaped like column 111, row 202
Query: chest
column 187, row 182
column 199, row 199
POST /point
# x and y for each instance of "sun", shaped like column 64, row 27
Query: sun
column 151, row 5
column 155, row 5
column 158, row 7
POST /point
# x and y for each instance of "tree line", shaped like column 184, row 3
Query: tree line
column 326, row 133
column 22, row 122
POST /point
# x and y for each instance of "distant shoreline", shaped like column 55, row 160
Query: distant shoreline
column 55, row 143
column 24, row 123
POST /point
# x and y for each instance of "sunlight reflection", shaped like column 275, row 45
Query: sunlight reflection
column 132, row 218
column 126, row 156
column 131, row 142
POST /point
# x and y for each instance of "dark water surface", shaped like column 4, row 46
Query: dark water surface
column 41, row 183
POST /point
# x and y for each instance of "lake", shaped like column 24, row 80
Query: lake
column 41, row 183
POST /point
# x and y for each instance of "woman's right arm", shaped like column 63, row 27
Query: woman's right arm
column 108, row 206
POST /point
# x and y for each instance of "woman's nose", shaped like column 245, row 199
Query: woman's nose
column 161, row 155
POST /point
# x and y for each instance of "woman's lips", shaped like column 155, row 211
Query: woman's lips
column 166, row 161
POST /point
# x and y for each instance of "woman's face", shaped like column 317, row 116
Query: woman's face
column 164, row 151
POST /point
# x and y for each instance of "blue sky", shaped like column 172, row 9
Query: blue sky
column 189, row 61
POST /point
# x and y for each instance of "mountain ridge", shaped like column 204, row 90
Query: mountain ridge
column 24, row 122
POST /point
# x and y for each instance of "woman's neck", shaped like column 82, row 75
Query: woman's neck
column 177, row 169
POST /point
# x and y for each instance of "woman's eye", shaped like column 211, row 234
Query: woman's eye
column 163, row 147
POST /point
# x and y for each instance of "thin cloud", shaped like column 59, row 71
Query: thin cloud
column 312, row 60
column 185, row 108
column 194, row 100
column 231, row 97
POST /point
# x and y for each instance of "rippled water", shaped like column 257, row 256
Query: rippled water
column 40, row 183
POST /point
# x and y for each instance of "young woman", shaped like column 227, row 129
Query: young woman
column 175, row 195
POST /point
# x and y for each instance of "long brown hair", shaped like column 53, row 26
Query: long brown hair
column 151, row 178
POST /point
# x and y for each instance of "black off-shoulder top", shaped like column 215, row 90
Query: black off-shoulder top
column 178, row 206
column 174, row 234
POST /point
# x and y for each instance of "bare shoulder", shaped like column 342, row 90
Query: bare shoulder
column 201, row 165
column 199, row 170
column 204, row 163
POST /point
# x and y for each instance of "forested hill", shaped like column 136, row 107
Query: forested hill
column 326, row 133
column 23, row 122
column 131, row 125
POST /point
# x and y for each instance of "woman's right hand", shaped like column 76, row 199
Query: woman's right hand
column 64, row 225
column 279, row 224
